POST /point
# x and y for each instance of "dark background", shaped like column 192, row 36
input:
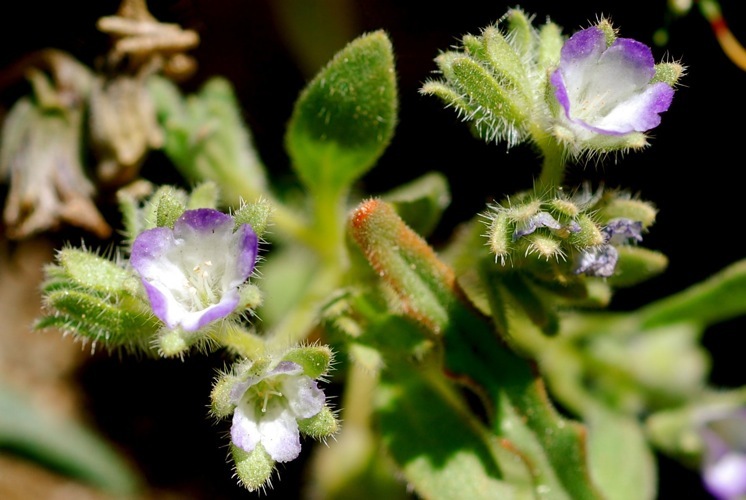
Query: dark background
column 693, row 172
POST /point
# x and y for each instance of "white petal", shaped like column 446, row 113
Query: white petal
column 245, row 432
column 279, row 433
column 303, row 396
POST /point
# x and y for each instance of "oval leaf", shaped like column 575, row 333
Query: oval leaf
column 345, row 117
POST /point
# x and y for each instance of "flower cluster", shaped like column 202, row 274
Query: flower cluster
column 584, row 230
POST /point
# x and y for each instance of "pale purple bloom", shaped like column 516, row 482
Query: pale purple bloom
column 601, row 260
column 608, row 90
column 621, row 230
column 192, row 273
column 598, row 261
column 724, row 464
column 541, row 219
column 268, row 408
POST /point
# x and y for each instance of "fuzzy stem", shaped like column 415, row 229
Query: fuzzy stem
column 553, row 166
column 239, row 340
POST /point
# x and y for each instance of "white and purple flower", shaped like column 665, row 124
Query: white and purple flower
column 193, row 272
column 607, row 89
column 268, row 408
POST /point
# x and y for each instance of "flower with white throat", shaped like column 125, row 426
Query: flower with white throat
column 268, row 408
column 193, row 273
column 608, row 91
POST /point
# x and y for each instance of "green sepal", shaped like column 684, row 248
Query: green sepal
column 474, row 47
column 256, row 214
column 608, row 30
column 449, row 96
column 204, row 195
column 98, row 318
column 521, row 31
column 253, row 468
column 88, row 270
column 421, row 202
column 221, row 404
column 315, row 360
column 550, row 45
column 507, row 64
column 345, row 117
column 629, row 208
column 668, row 73
column 502, row 105
column 174, row 343
column 321, row 425
column 589, row 234
column 169, row 207
column 635, row 265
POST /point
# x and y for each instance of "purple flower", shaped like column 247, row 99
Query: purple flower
column 608, row 90
column 268, row 408
column 724, row 464
column 601, row 260
column 598, row 261
column 539, row 220
column 192, row 273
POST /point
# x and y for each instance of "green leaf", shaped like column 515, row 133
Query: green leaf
column 421, row 202
column 207, row 138
column 444, row 452
column 64, row 445
column 345, row 117
column 620, row 458
column 522, row 412
column 719, row 298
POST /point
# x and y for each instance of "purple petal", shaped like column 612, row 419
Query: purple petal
column 247, row 245
column 542, row 219
column 726, row 477
column 286, row 368
column 598, row 261
column 585, row 45
column 193, row 321
column 203, row 220
column 150, row 245
column 619, row 231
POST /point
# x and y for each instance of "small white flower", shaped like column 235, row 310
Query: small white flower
column 192, row 273
column 268, row 408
